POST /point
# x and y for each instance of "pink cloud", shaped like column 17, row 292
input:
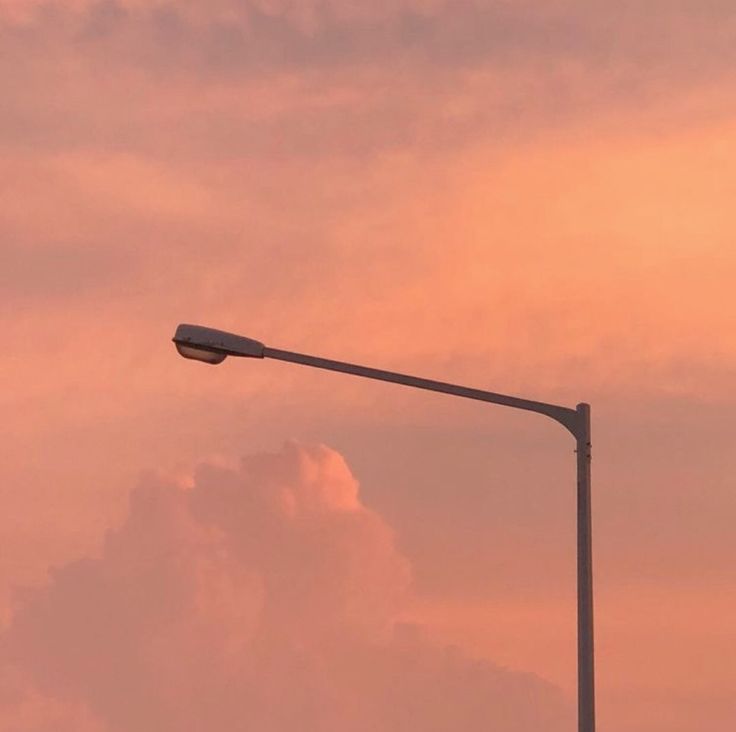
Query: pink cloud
column 266, row 594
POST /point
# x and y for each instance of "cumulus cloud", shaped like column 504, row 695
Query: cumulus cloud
column 264, row 597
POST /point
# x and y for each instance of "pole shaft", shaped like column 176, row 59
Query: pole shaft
column 586, row 674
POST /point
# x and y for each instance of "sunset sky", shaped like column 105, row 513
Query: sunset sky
column 535, row 198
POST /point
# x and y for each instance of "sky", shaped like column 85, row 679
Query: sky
column 532, row 198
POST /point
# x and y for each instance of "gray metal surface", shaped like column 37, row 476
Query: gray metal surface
column 564, row 415
column 586, row 666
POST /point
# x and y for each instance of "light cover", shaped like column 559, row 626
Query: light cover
column 200, row 354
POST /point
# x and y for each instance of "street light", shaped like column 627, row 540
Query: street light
column 214, row 346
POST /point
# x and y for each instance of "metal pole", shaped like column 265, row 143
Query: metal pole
column 586, row 674
column 577, row 421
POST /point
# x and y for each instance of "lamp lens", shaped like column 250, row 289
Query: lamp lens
column 200, row 354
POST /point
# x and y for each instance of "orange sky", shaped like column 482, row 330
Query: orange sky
column 533, row 200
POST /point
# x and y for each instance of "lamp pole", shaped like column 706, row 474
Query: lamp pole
column 213, row 346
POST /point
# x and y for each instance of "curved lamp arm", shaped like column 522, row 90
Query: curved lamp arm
column 569, row 418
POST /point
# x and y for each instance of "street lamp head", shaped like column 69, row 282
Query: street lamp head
column 213, row 346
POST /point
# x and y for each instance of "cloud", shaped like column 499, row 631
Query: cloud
column 253, row 36
column 265, row 594
column 234, row 81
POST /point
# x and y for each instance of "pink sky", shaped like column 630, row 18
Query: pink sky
column 534, row 200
